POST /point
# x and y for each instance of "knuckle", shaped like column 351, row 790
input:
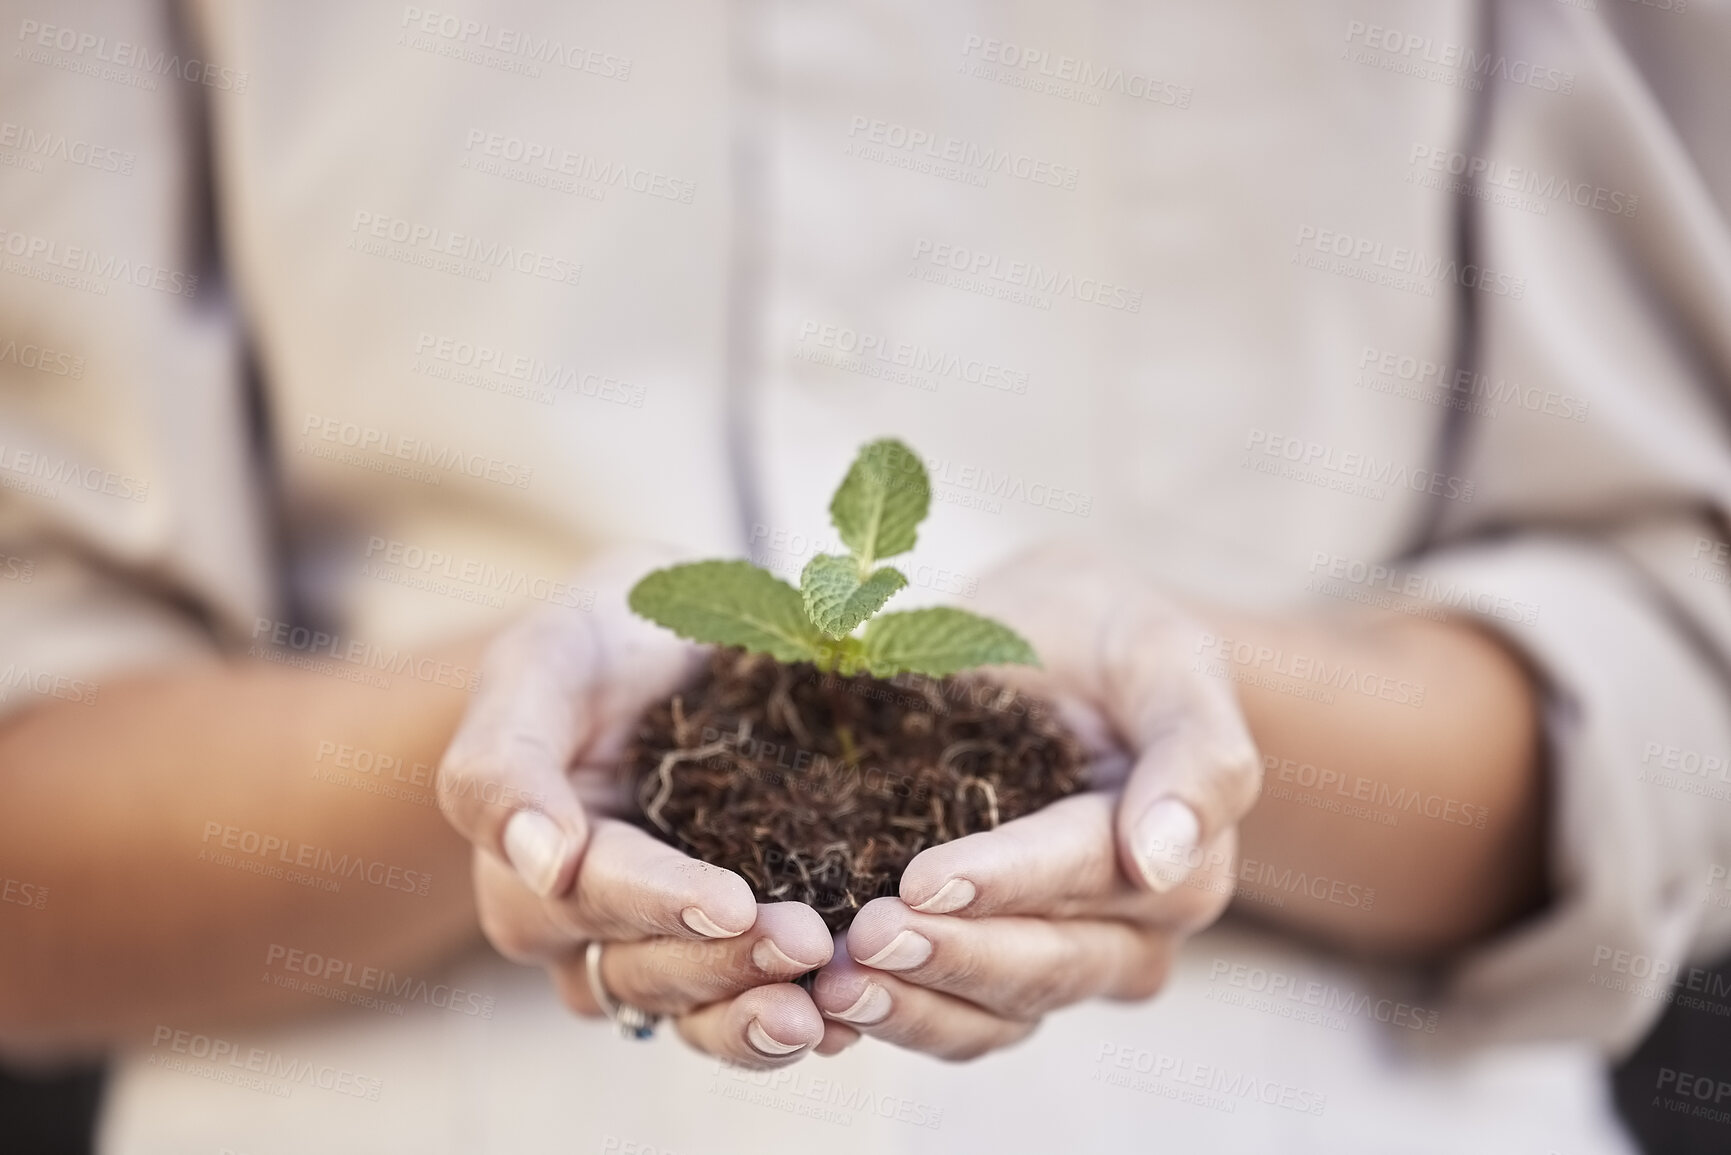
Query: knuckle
column 644, row 982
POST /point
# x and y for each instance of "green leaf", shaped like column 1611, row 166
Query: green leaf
column 729, row 603
column 881, row 502
column 939, row 642
column 836, row 600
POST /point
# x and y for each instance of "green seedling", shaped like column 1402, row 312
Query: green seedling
column 877, row 512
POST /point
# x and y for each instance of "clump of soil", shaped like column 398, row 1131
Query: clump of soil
column 821, row 789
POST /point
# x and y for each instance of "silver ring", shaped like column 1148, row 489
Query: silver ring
column 633, row 1022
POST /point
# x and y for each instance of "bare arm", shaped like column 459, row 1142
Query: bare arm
column 1421, row 780
column 149, row 819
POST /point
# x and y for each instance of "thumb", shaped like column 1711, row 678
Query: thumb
column 503, row 782
column 1197, row 772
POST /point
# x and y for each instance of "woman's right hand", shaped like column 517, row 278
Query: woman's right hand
column 561, row 691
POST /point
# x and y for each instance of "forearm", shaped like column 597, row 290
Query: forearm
column 1403, row 780
column 191, row 822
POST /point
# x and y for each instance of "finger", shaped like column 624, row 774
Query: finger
column 769, row 1026
column 631, row 886
column 502, row 782
column 884, row 1007
column 675, row 976
column 1059, row 861
column 1110, row 639
column 837, row 1037
column 1016, row 968
column 562, row 685
column 515, row 920
column 1197, row 772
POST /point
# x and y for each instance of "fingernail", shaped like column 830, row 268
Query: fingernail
column 907, row 950
column 535, row 848
column 951, row 897
column 706, row 926
column 1163, row 840
column 872, row 1006
column 764, row 1045
column 770, row 957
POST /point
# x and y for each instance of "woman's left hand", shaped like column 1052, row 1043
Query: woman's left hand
column 1092, row 895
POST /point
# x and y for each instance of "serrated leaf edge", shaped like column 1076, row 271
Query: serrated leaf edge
column 774, row 629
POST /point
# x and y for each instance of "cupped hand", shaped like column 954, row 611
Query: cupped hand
column 1091, row 896
column 527, row 779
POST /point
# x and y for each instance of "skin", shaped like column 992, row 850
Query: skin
column 1441, row 883
column 1062, row 910
column 107, row 806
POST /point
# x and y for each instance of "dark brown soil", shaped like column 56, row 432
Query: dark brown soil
column 820, row 789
